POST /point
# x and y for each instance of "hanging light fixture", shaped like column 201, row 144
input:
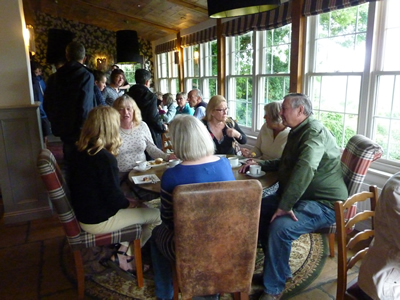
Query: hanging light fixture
column 235, row 8
column 128, row 47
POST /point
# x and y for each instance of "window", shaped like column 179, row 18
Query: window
column 192, row 67
column 129, row 70
column 386, row 117
column 337, row 43
column 240, row 78
column 274, row 68
column 208, row 69
column 167, row 73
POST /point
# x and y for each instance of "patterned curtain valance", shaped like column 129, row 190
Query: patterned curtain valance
column 199, row 37
column 315, row 7
column 262, row 21
column 166, row 47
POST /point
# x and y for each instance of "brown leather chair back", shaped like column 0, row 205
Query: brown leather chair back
column 216, row 229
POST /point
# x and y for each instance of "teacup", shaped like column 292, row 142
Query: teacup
column 173, row 162
column 255, row 169
column 141, row 165
column 234, row 161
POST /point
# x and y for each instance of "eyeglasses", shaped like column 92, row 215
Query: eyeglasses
column 221, row 109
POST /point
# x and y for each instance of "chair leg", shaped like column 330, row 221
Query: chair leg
column 175, row 282
column 331, row 238
column 80, row 275
column 240, row 296
column 138, row 261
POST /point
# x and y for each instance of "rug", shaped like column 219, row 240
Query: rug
column 307, row 259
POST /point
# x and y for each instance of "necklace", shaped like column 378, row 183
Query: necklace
column 126, row 131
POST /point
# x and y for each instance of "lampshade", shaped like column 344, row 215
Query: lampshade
column 235, row 8
column 58, row 39
column 128, row 47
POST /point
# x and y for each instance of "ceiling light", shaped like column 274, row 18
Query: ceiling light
column 235, row 8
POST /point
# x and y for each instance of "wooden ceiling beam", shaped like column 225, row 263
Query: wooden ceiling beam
column 168, row 29
column 195, row 7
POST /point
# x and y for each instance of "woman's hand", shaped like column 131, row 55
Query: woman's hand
column 171, row 156
column 233, row 133
column 246, row 152
column 245, row 168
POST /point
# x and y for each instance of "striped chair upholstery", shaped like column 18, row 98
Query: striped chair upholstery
column 358, row 155
column 77, row 238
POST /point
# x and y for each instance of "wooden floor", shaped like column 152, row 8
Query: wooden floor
column 29, row 265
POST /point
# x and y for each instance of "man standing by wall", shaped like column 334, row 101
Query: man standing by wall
column 310, row 181
column 69, row 98
column 195, row 99
column 147, row 102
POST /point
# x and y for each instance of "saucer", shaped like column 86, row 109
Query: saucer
column 141, row 170
column 237, row 166
column 262, row 173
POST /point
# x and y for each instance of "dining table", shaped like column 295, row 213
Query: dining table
column 267, row 180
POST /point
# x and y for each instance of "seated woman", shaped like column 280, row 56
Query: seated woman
column 272, row 137
column 99, row 204
column 183, row 106
column 224, row 131
column 113, row 91
column 170, row 104
column 136, row 139
column 194, row 146
column 380, row 268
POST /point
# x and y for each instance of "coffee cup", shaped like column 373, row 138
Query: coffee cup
column 255, row 169
column 173, row 162
column 234, row 161
column 141, row 165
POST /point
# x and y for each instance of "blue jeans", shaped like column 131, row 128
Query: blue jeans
column 276, row 238
column 162, row 272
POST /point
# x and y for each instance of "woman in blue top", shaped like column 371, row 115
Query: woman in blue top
column 194, row 146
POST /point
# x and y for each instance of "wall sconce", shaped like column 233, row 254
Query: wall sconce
column 196, row 55
column 29, row 37
column 101, row 63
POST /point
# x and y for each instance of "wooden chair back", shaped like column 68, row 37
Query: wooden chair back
column 216, row 229
column 359, row 242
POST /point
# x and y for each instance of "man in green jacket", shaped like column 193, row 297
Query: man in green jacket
column 310, row 181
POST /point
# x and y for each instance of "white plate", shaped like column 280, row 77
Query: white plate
column 244, row 160
column 262, row 173
column 153, row 165
column 141, row 179
column 237, row 166
column 140, row 170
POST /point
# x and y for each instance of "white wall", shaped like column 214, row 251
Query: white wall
column 15, row 84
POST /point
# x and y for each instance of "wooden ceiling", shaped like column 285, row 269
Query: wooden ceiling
column 152, row 19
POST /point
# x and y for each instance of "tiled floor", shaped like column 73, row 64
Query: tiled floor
column 29, row 265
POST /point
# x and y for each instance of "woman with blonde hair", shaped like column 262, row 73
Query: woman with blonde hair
column 224, row 131
column 273, row 135
column 96, row 197
column 194, row 146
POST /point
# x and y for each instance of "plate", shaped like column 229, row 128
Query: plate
column 244, row 160
column 141, row 179
column 140, row 170
column 153, row 165
column 237, row 166
column 262, row 173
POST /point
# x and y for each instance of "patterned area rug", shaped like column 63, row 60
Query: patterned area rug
column 307, row 259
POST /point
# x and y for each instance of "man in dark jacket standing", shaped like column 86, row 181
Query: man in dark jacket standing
column 69, row 98
column 147, row 102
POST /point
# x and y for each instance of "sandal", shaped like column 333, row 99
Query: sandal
column 114, row 264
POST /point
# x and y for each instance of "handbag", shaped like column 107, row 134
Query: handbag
column 235, row 143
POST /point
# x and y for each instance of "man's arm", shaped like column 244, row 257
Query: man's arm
column 154, row 121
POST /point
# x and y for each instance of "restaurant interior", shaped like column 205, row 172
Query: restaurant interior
column 340, row 53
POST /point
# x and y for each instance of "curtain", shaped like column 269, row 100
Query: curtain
column 166, row 47
column 315, row 7
column 199, row 37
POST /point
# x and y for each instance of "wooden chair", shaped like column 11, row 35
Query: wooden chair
column 77, row 238
column 216, row 228
column 344, row 227
column 358, row 155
